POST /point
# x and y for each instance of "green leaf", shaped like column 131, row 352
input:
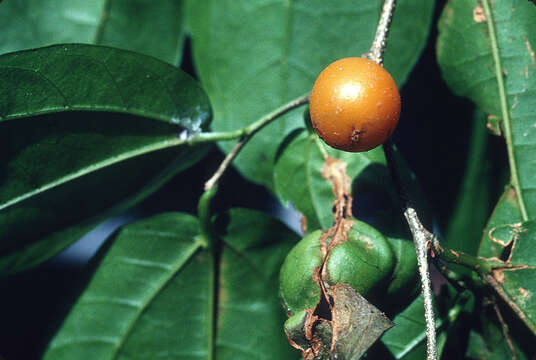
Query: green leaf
column 473, row 204
column 60, row 167
column 407, row 340
column 490, row 59
column 298, row 177
column 487, row 340
column 518, row 280
column 254, row 56
column 495, row 348
column 158, row 293
column 149, row 27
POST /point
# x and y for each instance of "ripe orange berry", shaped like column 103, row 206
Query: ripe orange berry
column 355, row 105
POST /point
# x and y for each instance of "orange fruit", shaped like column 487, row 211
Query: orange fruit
column 355, row 105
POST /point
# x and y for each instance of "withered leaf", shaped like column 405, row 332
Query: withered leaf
column 356, row 323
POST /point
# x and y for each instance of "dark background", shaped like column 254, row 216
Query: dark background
column 432, row 135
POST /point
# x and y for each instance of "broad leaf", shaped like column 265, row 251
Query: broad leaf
column 150, row 27
column 493, row 348
column 518, row 281
column 489, row 342
column 407, row 340
column 158, row 293
column 473, row 204
column 466, row 54
column 62, row 171
column 507, row 238
column 298, row 178
column 253, row 56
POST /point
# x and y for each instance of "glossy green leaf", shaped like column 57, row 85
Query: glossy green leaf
column 63, row 170
column 254, row 56
column 466, row 52
column 407, row 340
column 158, row 293
column 519, row 282
column 153, row 280
column 149, row 27
column 298, row 177
column 473, row 204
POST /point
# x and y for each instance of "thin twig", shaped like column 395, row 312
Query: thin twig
column 249, row 131
column 421, row 239
column 225, row 163
column 504, row 327
column 380, row 40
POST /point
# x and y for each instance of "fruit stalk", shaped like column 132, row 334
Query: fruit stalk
column 380, row 40
column 420, row 234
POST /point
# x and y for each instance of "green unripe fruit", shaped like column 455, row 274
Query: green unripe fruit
column 365, row 261
column 297, row 288
column 404, row 284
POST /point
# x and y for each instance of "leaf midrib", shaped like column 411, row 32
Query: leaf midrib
column 167, row 143
column 507, row 121
column 190, row 251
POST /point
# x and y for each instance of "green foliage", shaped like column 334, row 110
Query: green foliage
column 293, row 42
column 485, row 53
column 519, row 282
column 407, row 340
column 88, row 130
column 156, row 290
column 301, row 154
column 126, row 24
column 466, row 55
column 55, row 156
column 473, row 205
column 489, row 343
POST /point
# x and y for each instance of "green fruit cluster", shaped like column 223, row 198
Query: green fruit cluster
column 383, row 270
